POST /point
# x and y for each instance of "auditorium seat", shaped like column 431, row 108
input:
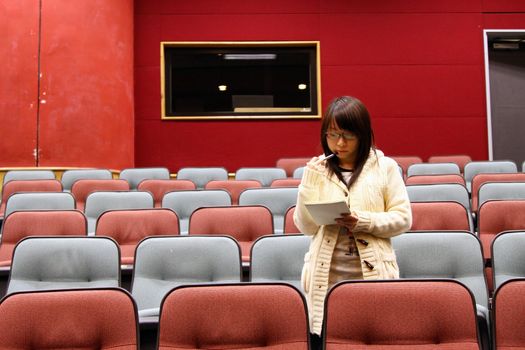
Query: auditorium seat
column 435, row 179
column 200, row 176
column 103, row 319
column 28, row 175
column 480, row 179
column 264, row 175
column 158, row 188
column 135, row 175
column 162, row 263
column 244, row 223
column 405, row 161
column 298, row 173
column 508, row 311
column 433, row 169
column 81, row 189
column 279, row 259
column 460, row 159
column 288, row 182
column 39, row 201
column 21, row 224
column 53, row 262
column 291, row 163
column 101, row 201
column 234, row 316
column 70, row 176
column 508, row 255
column 14, row 186
column 277, row 199
column 487, row 166
column 129, row 226
column 501, row 191
column 184, row 203
column 406, row 314
column 441, row 216
column 446, row 254
column 289, row 224
column 234, row 187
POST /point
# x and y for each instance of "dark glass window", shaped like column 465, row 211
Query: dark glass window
column 240, row 80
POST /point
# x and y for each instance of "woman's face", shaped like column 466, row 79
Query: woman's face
column 343, row 143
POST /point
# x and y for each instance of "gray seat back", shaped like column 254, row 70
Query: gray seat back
column 443, row 254
column 433, row 169
column 44, row 263
column 70, row 176
column 201, row 176
column 298, row 173
column 99, row 202
column 508, row 255
column 39, row 200
column 500, row 190
column 29, row 175
column 162, row 263
column 489, row 166
column 277, row 199
column 279, row 259
column 184, row 203
column 135, row 175
column 264, row 175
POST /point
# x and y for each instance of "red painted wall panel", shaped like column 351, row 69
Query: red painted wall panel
column 18, row 82
column 503, row 6
column 86, row 114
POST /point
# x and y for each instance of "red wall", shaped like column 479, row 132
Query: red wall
column 78, row 109
column 418, row 65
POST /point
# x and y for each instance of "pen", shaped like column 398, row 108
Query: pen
column 327, row 157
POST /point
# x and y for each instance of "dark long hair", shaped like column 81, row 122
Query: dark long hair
column 348, row 113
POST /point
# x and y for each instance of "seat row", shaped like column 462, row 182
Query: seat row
column 408, row 314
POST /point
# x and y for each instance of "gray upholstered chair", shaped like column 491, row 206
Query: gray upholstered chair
column 39, row 200
column 445, row 254
column 45, row 263
column 29, row 175
column 277, row 199
column 433, row 169
column 279, row 259
column 184, row 203
column 99, row 202
column 508, row 255
column 298, row 173
column 70, row 176
column 162, row 263
column 500, row 191
column 135, row 175
column 264, row 175
column 488, row 166
column 441, row 192
column 201, row 176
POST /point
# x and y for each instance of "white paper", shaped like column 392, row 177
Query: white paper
column 325, row 213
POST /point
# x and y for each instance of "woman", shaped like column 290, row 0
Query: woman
column 358, row 245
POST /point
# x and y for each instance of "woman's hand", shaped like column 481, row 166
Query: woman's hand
column 347, row 220
column 318, row 163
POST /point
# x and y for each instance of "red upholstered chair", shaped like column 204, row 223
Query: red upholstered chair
column 400, row 314
column 234, row 187
column 158, row 188
column 405, row 161
column 82, row 188
column 14, row 186
column 289, row 225
column 440, row 216
column 435, row 179
column 290, row 164
column 234, row 316
column 21, row 224
column 460, row 159
column 483, row 178
column 288, row 182
column 129, row 226
column 244, row 223
column 496, row 216
column 69, row 319
column 509, row 310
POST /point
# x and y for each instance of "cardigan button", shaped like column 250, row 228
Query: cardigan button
column 370, row 266
column 363, row 242
column 346, row 194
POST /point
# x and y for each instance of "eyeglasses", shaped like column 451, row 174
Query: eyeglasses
column 345, row 135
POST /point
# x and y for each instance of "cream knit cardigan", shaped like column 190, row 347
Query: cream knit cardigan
column 380, row 201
